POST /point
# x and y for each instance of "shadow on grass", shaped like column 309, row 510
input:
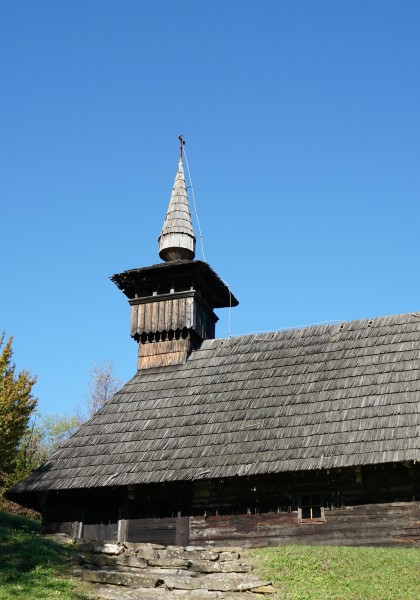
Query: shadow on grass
column 32, row 566
column 19, row 523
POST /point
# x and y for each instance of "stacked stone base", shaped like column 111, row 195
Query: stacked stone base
column 130, row 571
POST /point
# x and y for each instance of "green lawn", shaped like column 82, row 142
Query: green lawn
column 341, row 573
column 31, row 567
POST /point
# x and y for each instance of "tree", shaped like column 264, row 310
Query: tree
column 44, row 435
column 17, row 404
column 103, row 385
column 29, row 455
column 55, row 430
column 27, row 438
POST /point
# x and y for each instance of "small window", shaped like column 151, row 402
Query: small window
column 311, row 508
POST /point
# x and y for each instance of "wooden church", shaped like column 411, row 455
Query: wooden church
column 301, row 436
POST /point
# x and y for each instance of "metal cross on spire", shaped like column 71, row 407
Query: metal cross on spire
column 181, row 144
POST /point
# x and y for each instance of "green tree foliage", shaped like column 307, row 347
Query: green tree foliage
column 29, row 454
column 55, row 430
column 37, row 436
column 45, row 434
column 17, row 404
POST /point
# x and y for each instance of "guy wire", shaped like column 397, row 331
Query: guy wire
column 195, row 206
column 201, row 237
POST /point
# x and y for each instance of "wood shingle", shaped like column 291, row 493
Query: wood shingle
column 320, row 397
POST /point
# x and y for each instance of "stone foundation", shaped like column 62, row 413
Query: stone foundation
column 130, row 571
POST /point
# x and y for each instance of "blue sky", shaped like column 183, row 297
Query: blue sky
column 302, row 122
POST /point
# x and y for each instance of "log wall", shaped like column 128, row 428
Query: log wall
column 393, row 524
column 163, row 354
column 374, row 505
column 166, row 531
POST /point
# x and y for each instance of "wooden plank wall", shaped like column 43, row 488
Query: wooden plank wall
column 165, row 531
column 166, row 314
column 363, row 506
column 162, row 315
column 156, row 531
column 104, row 531
column 162, row 354
column 390, row 524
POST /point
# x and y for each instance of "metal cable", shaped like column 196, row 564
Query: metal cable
column 201, row 237
column 195, row 206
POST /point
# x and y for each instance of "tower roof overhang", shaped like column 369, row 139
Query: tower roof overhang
column 146, row 280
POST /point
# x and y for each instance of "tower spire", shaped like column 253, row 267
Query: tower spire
column 172, row 302
column 177, row 239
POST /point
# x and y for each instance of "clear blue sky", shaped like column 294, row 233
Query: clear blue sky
column 302, row 122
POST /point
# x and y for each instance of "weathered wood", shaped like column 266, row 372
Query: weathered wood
column 156, row 531
column 217, row 509
column 175, row 314
column 161, row 354
column 177, row 239
column 140, row 283
column 168, row 315
column 134, row 321
column 379, row 524
column 182, row 537
column 190, row 306
column 183, row 316
column 101, row 531
column 165, row 312
column 154, row 316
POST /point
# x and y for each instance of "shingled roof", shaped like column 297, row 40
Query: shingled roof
column 319, row 397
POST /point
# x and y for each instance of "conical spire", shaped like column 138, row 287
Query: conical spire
column 177, row 239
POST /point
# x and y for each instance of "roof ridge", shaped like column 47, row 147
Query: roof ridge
column 371, row 321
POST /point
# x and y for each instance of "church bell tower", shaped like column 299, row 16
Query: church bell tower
column 172, row 302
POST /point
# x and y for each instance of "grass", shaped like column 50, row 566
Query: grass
column 340, row 573
column 32, row 567
column 35, row 568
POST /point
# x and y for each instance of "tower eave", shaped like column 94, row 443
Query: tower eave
column 147, row 280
